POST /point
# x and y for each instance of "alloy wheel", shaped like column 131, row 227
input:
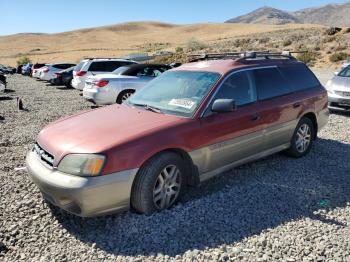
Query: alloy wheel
column 303, row 138
column 167, row 187
column 126, row 96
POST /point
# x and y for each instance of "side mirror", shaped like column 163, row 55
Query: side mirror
column 223, row 105
column 336, row 73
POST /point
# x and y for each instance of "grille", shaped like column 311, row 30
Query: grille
column 44, row 155
column 339, row 93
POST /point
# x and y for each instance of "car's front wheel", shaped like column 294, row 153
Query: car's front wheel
column 303, row 138
column 158, row 184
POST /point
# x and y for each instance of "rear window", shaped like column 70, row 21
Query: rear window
column 270, row 83
column 107, row 66
column 299, row 77
column 79, row 66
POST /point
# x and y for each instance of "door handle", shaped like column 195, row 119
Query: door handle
column 296, row 105
column 254, row 118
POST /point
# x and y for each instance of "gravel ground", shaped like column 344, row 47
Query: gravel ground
column 276, row 209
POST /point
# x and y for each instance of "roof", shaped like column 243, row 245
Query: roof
column 223, row 66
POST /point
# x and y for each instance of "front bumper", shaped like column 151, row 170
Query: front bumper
column 82, row 196
column 336, row 102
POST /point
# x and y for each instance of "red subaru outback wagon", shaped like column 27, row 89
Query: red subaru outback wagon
column 188, row 125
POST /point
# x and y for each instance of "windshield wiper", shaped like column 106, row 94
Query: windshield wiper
column 149, row 108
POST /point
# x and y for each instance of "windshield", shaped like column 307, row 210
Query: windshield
column 345, row 72
column 120, row 70
column 176, row 92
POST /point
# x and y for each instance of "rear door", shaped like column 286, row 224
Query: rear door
column 278, row 107
column 232, row 136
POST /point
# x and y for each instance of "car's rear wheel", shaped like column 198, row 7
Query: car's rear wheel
column 303, row 138
column 158, row 184
column 124, row 95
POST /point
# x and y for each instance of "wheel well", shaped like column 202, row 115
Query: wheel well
column 313, row 118
column 192, row 175
column 119, row 97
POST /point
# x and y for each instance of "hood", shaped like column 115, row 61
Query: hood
column 98, row 130
column 109, row 77
column 340, row 83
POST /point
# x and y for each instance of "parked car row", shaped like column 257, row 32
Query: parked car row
column 7, row 69
column 102, row 80
column 185, row 126
column 119, row 85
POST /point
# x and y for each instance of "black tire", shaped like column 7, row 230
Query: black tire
column 122, row 94
column 142, row 195
column 293, row 151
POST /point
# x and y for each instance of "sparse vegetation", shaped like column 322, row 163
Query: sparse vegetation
column 179, row 49
column 307, row 57
column 332, row 30
column 329, row 39
column 154, row 47
column 287, row 42
column 23, row 60
column 35, row 50
column 195, row 45
column 340, row 56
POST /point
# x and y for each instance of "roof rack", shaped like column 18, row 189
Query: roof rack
column 239, row 56
column 107, row 58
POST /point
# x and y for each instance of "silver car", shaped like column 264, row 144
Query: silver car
column 346, row 64
column 339, row 91
column 104, row 89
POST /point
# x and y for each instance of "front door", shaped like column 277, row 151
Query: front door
column 231, row 136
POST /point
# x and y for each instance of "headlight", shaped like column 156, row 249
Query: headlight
column 329, row 87
column 82, row 164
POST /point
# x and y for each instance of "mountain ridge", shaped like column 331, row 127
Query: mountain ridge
column 328, row 15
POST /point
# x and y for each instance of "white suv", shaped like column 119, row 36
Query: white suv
column 93, row 66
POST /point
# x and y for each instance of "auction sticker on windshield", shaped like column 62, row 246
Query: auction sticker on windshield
column 185, row 103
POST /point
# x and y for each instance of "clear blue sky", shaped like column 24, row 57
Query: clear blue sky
column 49, row 16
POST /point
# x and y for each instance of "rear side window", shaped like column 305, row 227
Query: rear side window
column 270, row 83
column 62, row 66
column 107, row 66
column 240, row 87
column 299, row 77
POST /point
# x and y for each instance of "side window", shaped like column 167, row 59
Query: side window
column 299, row 77
column 239, row 87
column 345, row 72
column 147, row 71
column 98, row 67
column 113, row 65
column 270, row 83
